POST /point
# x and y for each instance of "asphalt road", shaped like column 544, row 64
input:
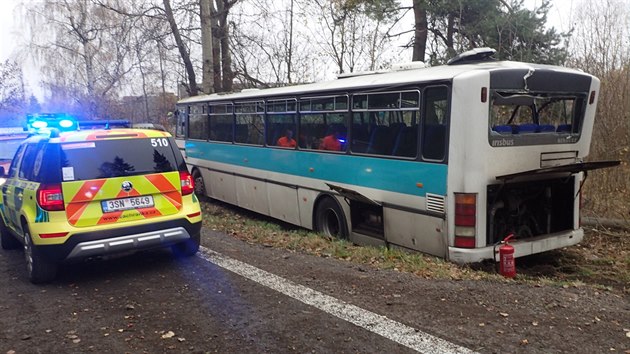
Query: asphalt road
column 151, row 302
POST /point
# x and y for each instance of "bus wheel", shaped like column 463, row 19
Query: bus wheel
column 330, row 220
column 200, row 188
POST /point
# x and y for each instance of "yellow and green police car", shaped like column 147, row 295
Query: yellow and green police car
column 84, row 194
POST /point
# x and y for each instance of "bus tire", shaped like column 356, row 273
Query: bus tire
column 200, row 187
column 6, row 239
column 40, row 269
column 330, row 219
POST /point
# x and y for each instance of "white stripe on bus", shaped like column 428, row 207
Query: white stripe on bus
column 400, row 333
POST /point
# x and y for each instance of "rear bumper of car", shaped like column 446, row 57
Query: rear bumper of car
column 119, row 240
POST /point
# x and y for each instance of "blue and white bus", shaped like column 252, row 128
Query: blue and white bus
column 445, row 160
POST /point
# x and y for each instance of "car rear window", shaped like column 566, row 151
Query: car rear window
column 116, row 158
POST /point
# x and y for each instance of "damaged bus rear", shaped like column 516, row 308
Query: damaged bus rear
column 517, row 159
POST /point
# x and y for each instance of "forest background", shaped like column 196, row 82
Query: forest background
column 133, row 58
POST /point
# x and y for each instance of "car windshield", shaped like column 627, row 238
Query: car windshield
column 8, row 146
column 116, row 158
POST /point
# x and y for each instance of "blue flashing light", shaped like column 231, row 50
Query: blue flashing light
column 343, row 141
column 66, row 123
column 39, row 124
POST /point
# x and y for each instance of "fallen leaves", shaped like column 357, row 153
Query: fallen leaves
column 167, row 335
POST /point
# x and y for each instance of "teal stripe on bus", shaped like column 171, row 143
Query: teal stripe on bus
column 401, row 176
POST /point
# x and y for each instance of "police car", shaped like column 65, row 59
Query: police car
column 84, row 194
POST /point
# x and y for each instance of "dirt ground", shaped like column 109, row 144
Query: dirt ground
column 131, row 304
column 486, row 316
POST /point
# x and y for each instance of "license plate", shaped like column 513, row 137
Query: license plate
column 127, row 203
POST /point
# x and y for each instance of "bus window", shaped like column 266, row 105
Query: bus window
column 250, row 123
column 198, row 123
column 435, row 118
column 221, row 122
column 387, row 125
column 323, row 131
column 376, row 132
column 531, row 117
column 181, row 118
column 281, row 126
column 322, row 123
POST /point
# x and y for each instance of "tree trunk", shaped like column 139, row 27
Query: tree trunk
column 145, row 95
column 226, row 57
column 450, row 33
column 290, row 49
column 420, row 31
column 206, row 46
column 216, row 46
column 193, row 90
column 91, row 79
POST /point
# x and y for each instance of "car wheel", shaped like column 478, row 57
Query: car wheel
column 330, row 219
column 6, row 239
column 187, row 248
column 39, row 268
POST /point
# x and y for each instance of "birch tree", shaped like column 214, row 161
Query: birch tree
column 89, row 44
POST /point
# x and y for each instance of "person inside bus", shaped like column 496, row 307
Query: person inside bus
column 331, row 141
column 287, row 140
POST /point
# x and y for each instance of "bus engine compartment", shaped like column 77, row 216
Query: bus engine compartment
column 529, row 209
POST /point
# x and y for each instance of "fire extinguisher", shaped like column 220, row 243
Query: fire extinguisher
column 507, row 265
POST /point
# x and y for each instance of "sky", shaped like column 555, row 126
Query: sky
column 13, row 38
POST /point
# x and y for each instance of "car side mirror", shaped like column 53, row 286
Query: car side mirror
column 3, row 173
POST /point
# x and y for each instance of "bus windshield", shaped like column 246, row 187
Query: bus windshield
column 529, row 118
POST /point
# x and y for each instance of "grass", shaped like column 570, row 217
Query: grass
column 602, row 260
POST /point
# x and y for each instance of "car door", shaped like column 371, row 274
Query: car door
column 8, row 191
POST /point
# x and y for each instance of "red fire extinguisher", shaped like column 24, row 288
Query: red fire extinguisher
column 507, row 265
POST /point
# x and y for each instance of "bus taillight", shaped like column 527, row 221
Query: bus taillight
column 465, row 219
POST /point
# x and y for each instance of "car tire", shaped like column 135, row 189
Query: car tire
column 6, row 239
column 330, row 219
column 40, row 269
column 187, row 248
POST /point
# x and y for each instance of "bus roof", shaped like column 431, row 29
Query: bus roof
column 385, row 78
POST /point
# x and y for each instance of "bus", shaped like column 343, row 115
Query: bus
column 445, row 160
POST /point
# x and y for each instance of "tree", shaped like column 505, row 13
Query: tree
column 264, row 44
column 183, row 50
column 421, row 30
column 448, row 27
column 90, row 46
column 12, row 96
column 352, row 33
column 601, row 46
column 207, row 42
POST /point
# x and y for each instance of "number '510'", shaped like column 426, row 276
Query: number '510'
column 159, row 142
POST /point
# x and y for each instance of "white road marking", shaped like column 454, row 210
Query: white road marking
column 381, row 325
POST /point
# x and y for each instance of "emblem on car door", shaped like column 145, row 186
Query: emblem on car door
column 126, row 186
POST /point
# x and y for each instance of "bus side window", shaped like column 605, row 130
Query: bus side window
column 198, row 121
column 312, row 129
column 435, row 119
column 180, row 119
